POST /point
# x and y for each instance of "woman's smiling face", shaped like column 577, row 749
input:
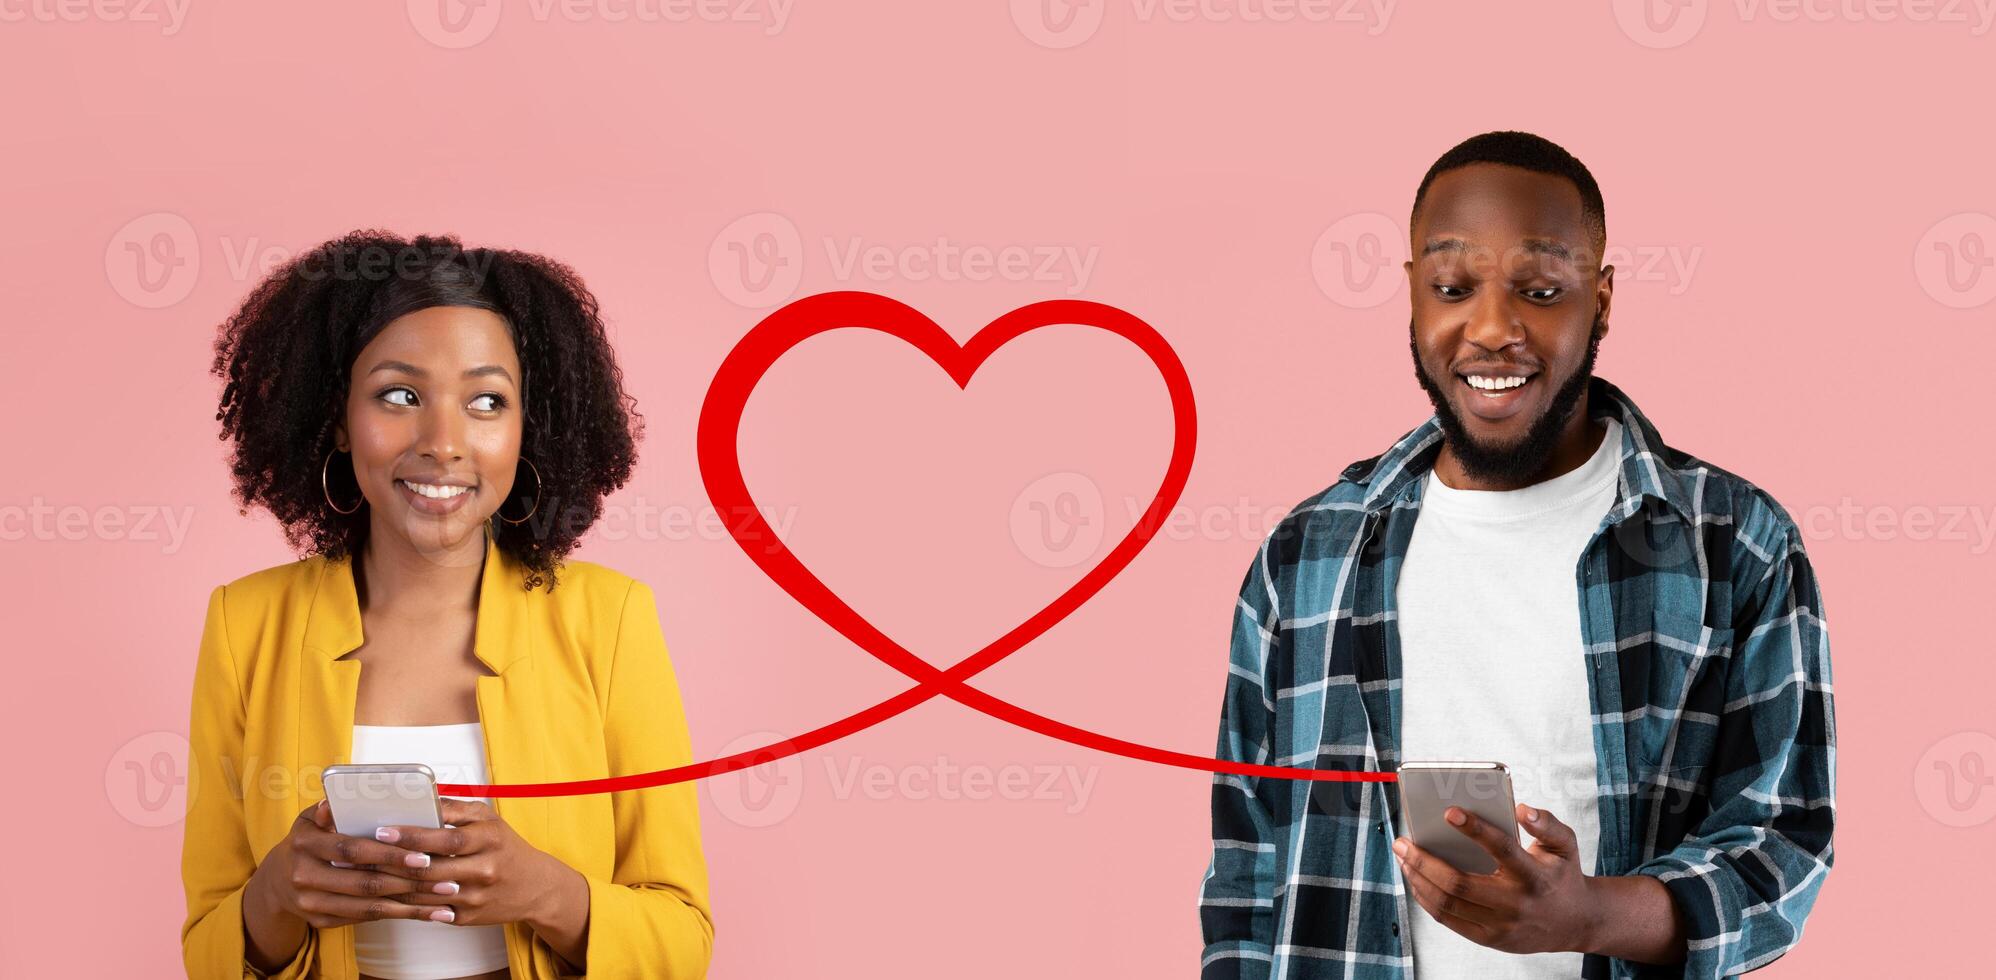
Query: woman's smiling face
column 433, row 423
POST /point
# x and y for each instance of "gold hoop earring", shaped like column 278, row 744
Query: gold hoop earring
column 328, row 490
column 537, row 496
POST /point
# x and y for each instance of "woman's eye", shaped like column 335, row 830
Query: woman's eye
column 488, row 402
column 398, row 396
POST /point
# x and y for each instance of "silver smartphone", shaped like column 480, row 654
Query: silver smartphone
column 367, row 797
column 1428, row 789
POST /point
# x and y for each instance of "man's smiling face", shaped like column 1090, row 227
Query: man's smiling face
column 1509, row 304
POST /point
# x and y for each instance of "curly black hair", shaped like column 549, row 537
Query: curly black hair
column 286, row 358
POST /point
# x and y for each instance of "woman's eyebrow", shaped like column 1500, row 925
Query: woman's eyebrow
column 407, row 368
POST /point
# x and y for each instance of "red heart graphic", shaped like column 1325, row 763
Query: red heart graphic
column 720, row 423
column 720, row 467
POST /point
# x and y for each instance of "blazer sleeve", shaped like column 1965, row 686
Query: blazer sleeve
column 652, row 918
column 215, row 857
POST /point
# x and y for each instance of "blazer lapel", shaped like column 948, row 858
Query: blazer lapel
column 510, row 706
column 510, row 700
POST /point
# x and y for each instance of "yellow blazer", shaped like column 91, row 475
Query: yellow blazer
column 582, row 689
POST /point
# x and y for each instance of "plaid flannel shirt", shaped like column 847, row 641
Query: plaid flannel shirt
column 1712, row 719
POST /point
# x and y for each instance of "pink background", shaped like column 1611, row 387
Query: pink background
column 1805, row 299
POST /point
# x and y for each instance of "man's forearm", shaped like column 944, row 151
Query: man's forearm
column 1635, row 919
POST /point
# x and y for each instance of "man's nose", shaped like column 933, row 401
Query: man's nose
column 1493, row 321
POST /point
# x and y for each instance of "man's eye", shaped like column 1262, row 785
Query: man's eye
column 398, row 396
column 1552, row 293
column 1444, row 288
column 488, row 402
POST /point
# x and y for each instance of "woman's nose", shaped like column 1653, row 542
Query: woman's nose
column 443, row 435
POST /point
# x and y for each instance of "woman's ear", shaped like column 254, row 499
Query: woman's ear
column 340, row 436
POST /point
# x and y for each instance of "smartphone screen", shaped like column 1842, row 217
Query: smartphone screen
column 1428, row 789
column 365, row 798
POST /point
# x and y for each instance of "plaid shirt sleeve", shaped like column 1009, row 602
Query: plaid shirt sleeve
column 1747, row 875
column 1236, row 902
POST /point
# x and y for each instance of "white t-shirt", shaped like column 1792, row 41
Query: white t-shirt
column 418, row 949
column 1494, row 667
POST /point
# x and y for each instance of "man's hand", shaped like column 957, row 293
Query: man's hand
column 1537, row 900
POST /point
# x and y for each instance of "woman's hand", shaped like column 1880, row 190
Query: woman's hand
column 300, row 876
column 482, row 872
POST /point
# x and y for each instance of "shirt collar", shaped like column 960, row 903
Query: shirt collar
column 334, row 627
column 1649, row 468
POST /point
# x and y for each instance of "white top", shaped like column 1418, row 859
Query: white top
column 1494, row 668
column 417, row 949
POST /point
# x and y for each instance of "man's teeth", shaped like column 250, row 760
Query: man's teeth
column 1481, row 383
column 435, row 491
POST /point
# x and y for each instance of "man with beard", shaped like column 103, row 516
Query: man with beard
column 1530, row 577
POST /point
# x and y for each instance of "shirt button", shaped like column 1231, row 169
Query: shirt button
column 1396, row 928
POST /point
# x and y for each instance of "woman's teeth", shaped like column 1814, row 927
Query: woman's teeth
column 433, row 490
column 1481, row 383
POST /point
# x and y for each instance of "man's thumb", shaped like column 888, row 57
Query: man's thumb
column 1552, row 835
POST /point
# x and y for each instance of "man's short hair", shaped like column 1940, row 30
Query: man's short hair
column 1530, row 152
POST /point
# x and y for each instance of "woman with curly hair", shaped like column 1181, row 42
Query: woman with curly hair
column 434, row 427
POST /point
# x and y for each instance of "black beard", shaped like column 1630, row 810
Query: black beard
column 1518, row 464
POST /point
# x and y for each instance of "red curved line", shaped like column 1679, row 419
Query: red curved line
column 718, row 432
column 869, row 717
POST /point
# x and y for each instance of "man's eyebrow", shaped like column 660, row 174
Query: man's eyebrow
column 1434, row 245
column 406, row 368
column 1537, row 246
column 1549, row 246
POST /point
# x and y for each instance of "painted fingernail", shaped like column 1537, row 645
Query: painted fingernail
column 416, row 860
column 1455, row 816
column 389, row 834
column 341, row 864
column 1400, row 848
column 445, row 888
column 443, row 915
